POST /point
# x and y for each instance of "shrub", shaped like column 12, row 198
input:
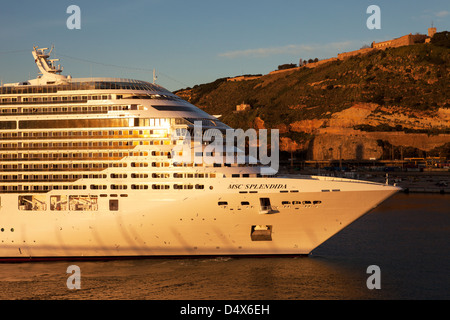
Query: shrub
column 441, row 39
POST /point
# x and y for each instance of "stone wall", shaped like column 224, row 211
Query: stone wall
column 407, row 40
column 361, row 145
column 342, row 146
column 349, row 54
column 318, row 63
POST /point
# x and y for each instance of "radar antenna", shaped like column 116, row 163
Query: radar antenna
column 49, row 71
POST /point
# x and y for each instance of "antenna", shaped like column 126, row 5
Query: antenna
column 50, row 72
column 154, row 76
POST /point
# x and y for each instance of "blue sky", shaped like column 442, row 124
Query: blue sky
column 197, row 41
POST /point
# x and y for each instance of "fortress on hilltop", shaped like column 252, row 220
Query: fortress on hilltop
column 407, row 40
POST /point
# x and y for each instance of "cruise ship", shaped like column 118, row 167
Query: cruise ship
column 90, row 169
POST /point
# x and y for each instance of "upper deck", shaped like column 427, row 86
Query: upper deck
column 86, row 84
column 52, row 94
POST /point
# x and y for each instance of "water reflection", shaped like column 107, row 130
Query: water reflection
column 220, row 278
column 407, row 237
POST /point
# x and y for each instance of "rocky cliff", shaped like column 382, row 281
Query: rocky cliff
column 384, row 104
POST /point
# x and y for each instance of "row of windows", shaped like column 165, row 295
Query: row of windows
column 156, row 186
column 50, row 99
column 161, row 153
column 81, row 98
column 40, row 188
column 39, row 110
column 75, row 156
column 66, row 145
column 79, row 146
column 305, row 203
column 89, row 84
column 45, row 188
column 47, row 177
column 194, row 175
column 118, row 186
column 62, row 166
column 92, row 143
column 159, row 175
column 32, row 107
column 56, row 177
column 188, row 186
column 225, row 203
column 59, row 203
column 149, row 96
column 64, row 203
column 148, row 133
column 284, row 203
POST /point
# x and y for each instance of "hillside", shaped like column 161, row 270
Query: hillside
column 375, row 105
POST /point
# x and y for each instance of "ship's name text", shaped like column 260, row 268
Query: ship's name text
column 261, row 186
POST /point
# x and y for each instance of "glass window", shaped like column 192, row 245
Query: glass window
column 113, row 204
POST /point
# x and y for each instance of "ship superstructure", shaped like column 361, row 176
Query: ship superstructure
column 89, row 167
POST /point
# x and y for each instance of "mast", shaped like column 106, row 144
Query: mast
column 154, row 76
column 49, row 72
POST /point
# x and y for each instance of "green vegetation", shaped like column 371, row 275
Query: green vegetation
column 287, row 66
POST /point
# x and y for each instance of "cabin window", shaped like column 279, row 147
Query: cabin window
column 32, row 203
column 83, row 203
column 113, row 204
column 265, row 203
column 58, row 203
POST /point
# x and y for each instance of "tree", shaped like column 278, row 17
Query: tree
column 287, row 66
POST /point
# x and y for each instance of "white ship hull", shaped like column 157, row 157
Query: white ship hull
column 167, row 224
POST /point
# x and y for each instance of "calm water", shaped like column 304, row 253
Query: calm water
column 408, row 237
